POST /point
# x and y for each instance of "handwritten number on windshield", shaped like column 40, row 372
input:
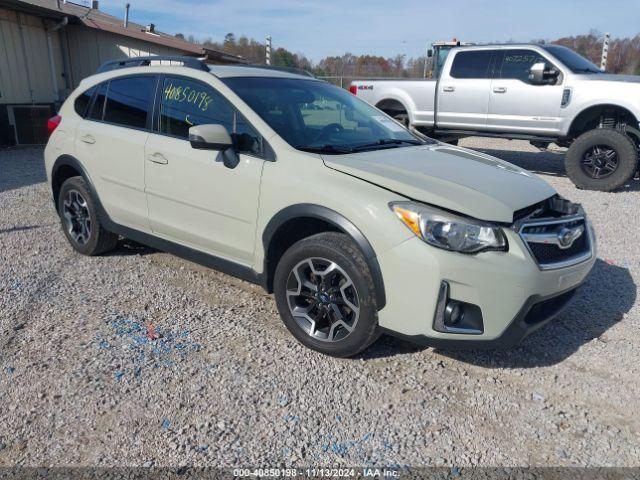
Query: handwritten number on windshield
column 179, row 94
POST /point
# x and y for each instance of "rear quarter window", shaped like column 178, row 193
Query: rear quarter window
column 81, row 105
column 97, row 108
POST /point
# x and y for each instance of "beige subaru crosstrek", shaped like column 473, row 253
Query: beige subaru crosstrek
column 356, row 224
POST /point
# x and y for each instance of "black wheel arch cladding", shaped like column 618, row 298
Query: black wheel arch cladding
column 63, row 162
column 342, row 224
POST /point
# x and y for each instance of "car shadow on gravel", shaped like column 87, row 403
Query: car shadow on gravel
column 542, row 163
column 389, row 346
column 602, row 301
column 128, row 247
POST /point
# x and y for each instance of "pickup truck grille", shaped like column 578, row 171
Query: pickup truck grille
column 556, row 237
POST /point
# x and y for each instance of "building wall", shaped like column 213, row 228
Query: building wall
column 25, row 75
column 90, row 48
column 25, row 72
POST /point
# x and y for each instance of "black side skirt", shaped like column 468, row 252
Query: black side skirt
column 196, row 256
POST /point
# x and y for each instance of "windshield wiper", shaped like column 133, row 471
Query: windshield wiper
column 341, row 149
column 587, row 70
column 331, row 149
column 387, row 142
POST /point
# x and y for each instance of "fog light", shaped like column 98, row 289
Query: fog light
column 453, row 313
column 456, row 316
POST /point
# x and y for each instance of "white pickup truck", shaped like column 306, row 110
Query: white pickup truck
column 541, row 93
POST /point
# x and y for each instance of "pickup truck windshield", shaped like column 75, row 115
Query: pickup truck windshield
column 573, row 61
column 318, row 117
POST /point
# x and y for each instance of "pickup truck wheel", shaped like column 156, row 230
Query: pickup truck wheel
column 79, row 218
column 403, row 118
column 603, row 159
column 325, row 295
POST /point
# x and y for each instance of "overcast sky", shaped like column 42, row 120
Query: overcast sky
column 382, row 27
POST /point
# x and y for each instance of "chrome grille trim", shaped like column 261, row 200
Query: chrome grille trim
column 569, row 261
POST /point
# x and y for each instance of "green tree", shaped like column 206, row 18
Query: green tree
column 229, row 42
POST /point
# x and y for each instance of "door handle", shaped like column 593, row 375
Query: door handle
column 158, row 158
column 448, row 89
column 499, row 89
column 88, row 139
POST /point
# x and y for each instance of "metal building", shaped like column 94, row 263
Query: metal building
column 48, row 46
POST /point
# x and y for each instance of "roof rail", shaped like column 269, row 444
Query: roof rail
column 190, row 62
column 298, row 71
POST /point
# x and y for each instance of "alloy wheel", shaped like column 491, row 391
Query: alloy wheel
column 323, row 299
column 76, row 215
column 600, row 161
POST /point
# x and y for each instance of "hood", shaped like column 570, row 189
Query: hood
column 467, row 182
column 611, row 77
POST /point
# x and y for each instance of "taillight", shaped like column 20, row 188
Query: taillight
column 53, row 123
column 353, row 89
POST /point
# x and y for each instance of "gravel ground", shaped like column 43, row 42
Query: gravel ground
column 82, row 383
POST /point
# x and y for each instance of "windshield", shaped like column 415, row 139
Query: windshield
column 315, row 116
column 573, row 61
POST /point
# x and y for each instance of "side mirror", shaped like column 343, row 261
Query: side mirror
column 210, row 137
column 541, row 74
column 214, row 137
column 429, row 53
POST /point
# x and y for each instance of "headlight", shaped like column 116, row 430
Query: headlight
column 448, row 231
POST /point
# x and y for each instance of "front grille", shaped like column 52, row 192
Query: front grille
column 546, row 253
column 556, row 233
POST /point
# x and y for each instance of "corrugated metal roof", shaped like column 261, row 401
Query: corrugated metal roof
column 97, row 19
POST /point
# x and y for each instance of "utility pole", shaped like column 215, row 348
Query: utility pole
column 267, row 59
column 605, row 52
column 426, row 59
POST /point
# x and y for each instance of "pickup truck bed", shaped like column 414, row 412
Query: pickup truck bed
column 397, row 96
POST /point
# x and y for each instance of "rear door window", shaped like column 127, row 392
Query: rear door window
column 472, row 64
column 516, row 63
column 129, row 100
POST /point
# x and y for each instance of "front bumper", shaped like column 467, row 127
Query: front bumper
column 515, row 296
column 536, row 312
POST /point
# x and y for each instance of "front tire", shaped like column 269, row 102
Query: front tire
column 603, row 159
column 325, row 295
column 79, row 218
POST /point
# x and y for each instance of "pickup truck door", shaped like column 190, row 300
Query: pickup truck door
column 193, row 199
column 518, row 106
column 463, row 90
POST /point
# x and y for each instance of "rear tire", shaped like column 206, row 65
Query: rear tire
column 403, row 118
column 603, row 159
column 325, row 295
column 79, row 218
